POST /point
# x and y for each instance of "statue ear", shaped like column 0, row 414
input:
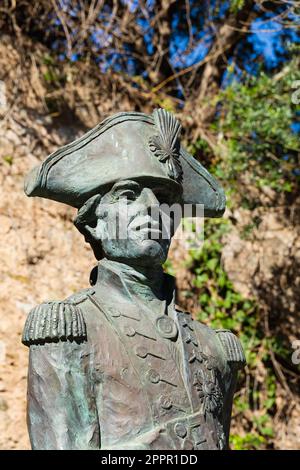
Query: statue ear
column 88, row 223
column 95, row 229
column 87, row 218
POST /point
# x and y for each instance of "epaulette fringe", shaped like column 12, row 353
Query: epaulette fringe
column 54, row 321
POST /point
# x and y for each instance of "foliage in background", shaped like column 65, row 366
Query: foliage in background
column 259, row 125
column 173, row 53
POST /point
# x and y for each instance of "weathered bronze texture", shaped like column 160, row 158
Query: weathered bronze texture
column 119, row 365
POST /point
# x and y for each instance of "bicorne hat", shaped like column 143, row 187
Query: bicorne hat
column 128, row 145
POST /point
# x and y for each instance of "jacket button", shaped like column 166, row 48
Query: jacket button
column 141, row 351
column 180, row 430
column 153, row 376
column 166, row 327
column 113, row 312
column 129, row 331
column 165, row 402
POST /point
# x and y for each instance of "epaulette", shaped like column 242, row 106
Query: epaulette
column 232, row 346
column 56, row 321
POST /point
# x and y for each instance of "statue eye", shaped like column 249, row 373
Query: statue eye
column 162, row 197
column 127, row 194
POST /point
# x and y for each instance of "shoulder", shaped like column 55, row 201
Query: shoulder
column 57, row 321
column 232, row 347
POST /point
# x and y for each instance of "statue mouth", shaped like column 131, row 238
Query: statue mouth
column 145, row 223
column 153, row 234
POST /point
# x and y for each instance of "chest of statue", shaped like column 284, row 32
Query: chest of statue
column 160, row 381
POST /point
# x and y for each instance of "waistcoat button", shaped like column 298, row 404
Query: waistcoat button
column 153, row 376
column 129, row 331
column 141, row 351
column 180, row 430
column 165, row 402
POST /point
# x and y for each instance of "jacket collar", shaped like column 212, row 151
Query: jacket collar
column 115, row 281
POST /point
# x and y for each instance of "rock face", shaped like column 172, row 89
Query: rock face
column 263, row 260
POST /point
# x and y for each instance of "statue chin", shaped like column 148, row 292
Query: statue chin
column 145, row 253
column 152, row 255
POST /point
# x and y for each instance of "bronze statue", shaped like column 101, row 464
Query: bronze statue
column 119, row 365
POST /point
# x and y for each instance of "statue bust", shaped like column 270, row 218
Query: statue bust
column 118, row 365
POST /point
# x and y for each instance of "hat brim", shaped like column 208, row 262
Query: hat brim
column 95, row 161
column 200, row 187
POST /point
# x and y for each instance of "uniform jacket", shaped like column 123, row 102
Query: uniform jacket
column 112, row 368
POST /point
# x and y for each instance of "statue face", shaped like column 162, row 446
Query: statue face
column 134, row 222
